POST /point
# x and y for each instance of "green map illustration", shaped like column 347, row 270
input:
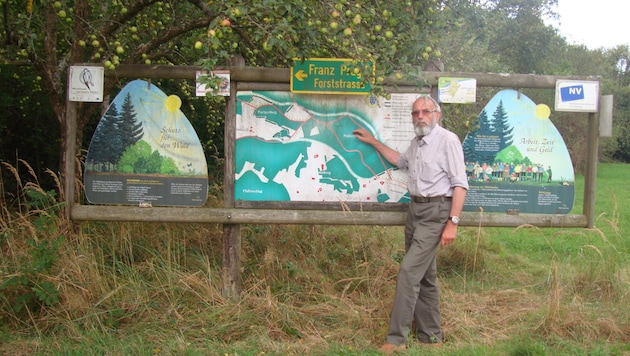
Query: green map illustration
column 292, row 147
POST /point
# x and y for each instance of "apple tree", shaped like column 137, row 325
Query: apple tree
column 49, row 36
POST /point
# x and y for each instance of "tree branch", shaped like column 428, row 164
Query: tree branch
column 115, row 23
column 171, row 34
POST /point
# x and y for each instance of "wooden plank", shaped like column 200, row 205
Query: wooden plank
column 305, row 217
column 138, row 71
column 282, row 75
column 243, row 86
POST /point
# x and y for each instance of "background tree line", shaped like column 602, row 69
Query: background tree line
column 41, row 38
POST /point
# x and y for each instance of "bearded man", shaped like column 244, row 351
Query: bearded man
column 437, row 187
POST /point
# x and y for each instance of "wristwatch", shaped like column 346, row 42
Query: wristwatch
column 454, row 219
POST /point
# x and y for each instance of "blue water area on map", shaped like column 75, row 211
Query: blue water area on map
column 271, row 191
column 276, row 156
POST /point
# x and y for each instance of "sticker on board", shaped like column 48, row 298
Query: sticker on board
column 516, row 160
column 145, row 152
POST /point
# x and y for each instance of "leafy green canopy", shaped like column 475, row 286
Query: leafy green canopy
column 397, row 35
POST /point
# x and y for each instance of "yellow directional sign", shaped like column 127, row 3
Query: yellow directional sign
column 329, row 76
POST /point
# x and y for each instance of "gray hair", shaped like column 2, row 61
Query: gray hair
column 428, row 98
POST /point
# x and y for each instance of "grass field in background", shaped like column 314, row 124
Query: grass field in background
column 155, row 288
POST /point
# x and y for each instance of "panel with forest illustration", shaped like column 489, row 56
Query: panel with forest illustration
column 145, row 151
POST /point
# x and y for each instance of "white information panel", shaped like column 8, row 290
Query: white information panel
column 576, row 95
column 457, row 90
column 85, row 83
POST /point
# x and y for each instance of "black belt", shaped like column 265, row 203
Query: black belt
column 417, row 199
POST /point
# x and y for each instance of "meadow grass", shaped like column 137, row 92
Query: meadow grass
column 155, row 288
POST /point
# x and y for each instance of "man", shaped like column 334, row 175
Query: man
column 437, row 186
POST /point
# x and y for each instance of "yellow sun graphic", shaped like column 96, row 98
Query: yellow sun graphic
column 173, row 103
column 542, row 111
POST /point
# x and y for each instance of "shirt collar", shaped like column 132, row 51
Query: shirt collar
column 427, row 139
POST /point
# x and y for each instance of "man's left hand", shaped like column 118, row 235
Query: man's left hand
column 448, row 234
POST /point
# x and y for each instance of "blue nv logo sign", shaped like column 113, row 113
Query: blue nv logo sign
column 578, row 96
column 571, row 93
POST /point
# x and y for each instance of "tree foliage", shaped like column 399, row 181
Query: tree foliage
column 28, row 129
column 140, row 159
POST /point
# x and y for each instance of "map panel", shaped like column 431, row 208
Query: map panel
column 298, row 147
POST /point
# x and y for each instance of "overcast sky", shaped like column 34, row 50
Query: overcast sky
column 599, row 23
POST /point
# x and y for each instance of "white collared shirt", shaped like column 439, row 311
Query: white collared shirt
column 435, row 164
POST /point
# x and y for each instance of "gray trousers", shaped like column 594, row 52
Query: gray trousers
column 417, row 291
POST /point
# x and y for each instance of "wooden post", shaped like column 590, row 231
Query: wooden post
column 434, row 66
column 69, row 153
column 590, row 176
column 231, row 232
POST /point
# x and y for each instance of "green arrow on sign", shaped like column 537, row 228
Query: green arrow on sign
column 328, row 76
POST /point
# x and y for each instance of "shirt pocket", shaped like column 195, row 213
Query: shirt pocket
column 429, row 171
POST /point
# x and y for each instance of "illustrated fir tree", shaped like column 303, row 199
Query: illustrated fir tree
column 96, row 155
column 106, row 145
column 485, row 125
column 469, row 145
column 501, row 126
column 130, row 130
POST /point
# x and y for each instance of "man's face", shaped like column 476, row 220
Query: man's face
column 424, row 117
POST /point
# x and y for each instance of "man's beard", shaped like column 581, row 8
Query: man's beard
column 422, row 130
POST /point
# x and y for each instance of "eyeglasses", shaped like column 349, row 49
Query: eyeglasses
column 417, row 113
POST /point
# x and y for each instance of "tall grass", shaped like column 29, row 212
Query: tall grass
column 155, row 288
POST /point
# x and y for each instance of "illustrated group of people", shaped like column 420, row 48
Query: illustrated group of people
column 504, row 172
